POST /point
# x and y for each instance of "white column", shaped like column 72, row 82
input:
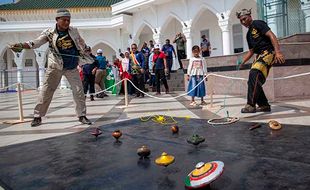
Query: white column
column 64, row 83
column 130, row 40
column 135, row 40
column 41, row 60
column 19, row 60
column 226, row 31
column 306, row 9
column 20, row 74
column 157, row 36
column 41, row 76
column 245, row 43
column 2, row 70
column 272, row 22
column 187, row 31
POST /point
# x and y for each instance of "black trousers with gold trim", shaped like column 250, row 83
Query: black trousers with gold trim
column 256, row 94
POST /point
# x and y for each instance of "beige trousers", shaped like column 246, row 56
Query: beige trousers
column 101, row 75
column 52, row 80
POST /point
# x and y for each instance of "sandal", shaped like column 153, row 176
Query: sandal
column 193, row 103
column 203, row 103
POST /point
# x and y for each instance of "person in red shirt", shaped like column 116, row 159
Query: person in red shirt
column 161, row 69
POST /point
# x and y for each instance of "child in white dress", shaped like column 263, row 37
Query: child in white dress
column 197, row 69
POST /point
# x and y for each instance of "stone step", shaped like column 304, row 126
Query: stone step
column 175, row 83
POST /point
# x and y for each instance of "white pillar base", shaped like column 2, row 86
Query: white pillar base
column 63, row 83
column 20, row 78
column 41, row 77
column 226, row 42
column 157, row 36
column 189, row 42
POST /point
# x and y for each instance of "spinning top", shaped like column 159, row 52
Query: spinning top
column 96, row 132
column 164, row 160
column 195, row 139
column 117, row 134
column 204, row 174
column 274, row 125
column 175, row 129
column 143, row 151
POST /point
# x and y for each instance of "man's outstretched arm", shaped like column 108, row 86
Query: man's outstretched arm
column 278, row 55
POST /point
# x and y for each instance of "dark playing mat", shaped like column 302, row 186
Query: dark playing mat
column 257, row 159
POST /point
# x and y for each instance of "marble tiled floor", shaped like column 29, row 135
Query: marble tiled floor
column 61, row 119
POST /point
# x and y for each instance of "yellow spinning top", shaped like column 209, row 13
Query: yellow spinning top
column 164, row 160
column 201, row 168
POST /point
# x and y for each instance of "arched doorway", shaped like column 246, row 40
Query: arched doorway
column 30, row 70
column 108, row 52
column 145, row 35
column 3, row 69
column 170, row 28
column 8, row 69
column 206, row 23
column 239, row 43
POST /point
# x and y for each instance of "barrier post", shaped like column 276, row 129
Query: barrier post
column 210, row 106
column 126, row 92
column 20, row 103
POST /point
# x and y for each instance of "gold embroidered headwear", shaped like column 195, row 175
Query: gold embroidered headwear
column 243, row 12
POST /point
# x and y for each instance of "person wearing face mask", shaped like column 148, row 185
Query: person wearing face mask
column 67, row 49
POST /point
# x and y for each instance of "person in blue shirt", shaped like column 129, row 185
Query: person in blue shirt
column 137, row 69
column 146, row 52
column 101, row 73
column 205, row 46
column 168, row 49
